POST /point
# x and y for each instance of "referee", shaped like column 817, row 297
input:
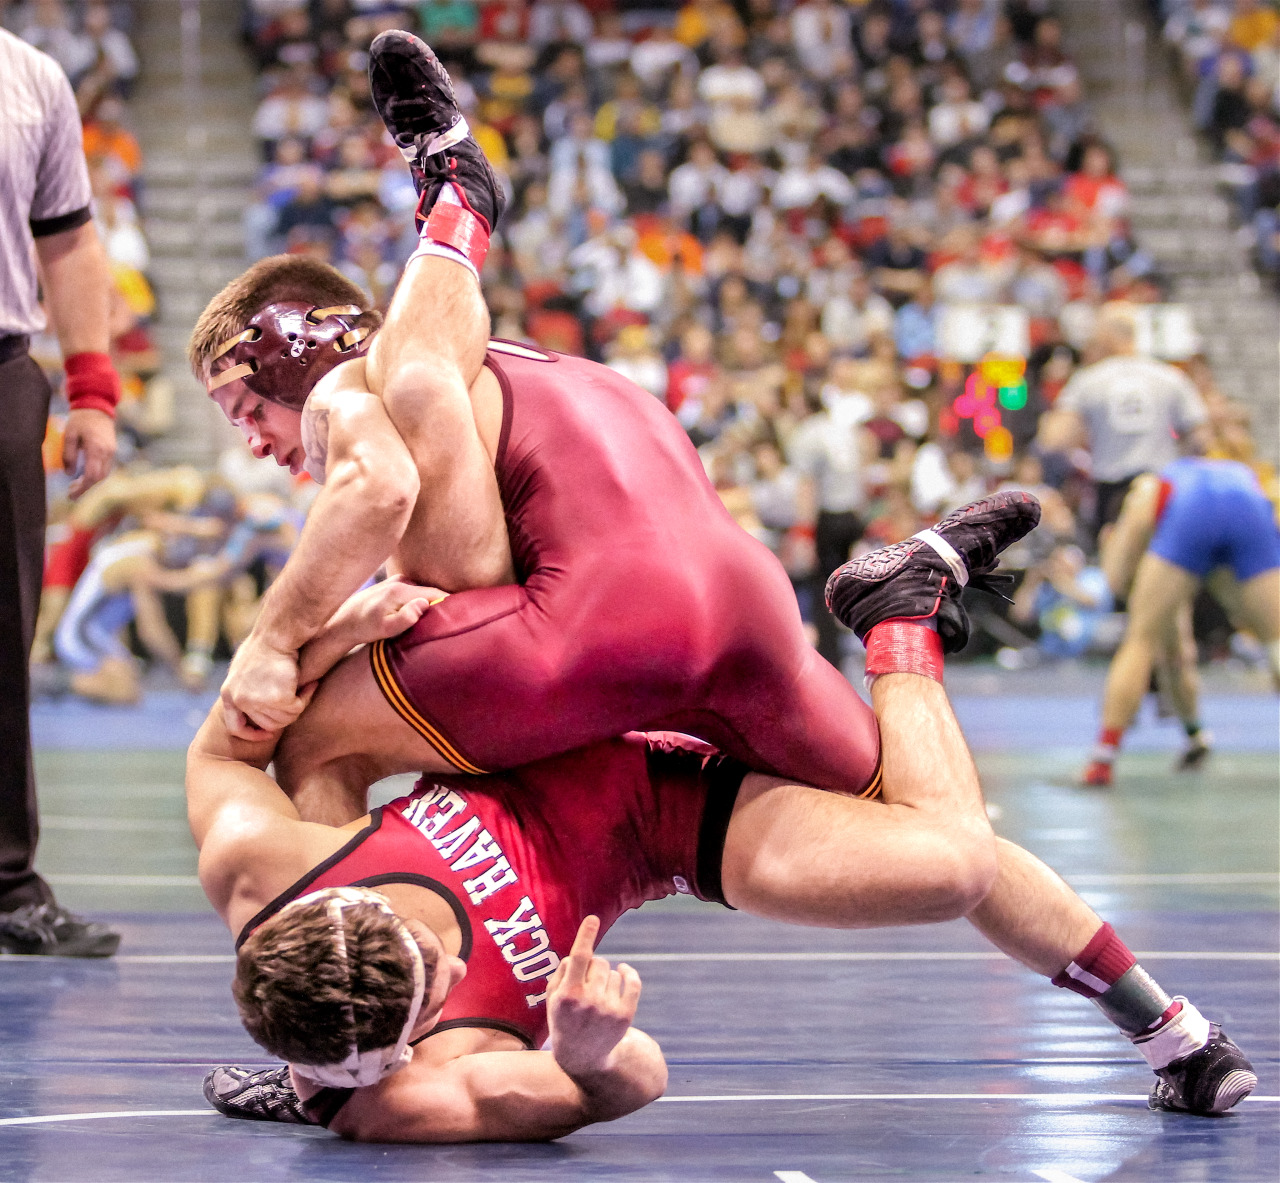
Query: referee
column 44, row 223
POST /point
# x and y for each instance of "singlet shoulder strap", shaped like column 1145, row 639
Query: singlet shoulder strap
column 299, row 887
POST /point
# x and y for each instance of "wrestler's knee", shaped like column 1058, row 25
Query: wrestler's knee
column 960, row 872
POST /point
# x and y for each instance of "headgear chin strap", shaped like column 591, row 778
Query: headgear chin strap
column 288, row 347
column 361, row 1069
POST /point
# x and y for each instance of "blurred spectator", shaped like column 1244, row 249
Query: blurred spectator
column 768, row 216
column 1067, row 600
column 634, row 357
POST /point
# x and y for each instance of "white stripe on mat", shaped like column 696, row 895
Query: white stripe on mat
column 1039, row 1098
column 1187, row 879
column 917, row 955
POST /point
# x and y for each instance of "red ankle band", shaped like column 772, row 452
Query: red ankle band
column 457, row 227
column 1111, row 736
column 902, row 647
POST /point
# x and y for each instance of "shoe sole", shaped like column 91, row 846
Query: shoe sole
column 407, row 48
column 887, row 561
column 1234, row 1088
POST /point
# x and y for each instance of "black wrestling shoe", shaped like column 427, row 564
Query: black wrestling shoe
column 49, row 930
column 924, row 576
column 1195, row 754
column 1208, row 1081
column 267, row 1095
column 412, row 92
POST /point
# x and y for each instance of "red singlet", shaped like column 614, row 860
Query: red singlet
column 642, row 604
column 522, row 858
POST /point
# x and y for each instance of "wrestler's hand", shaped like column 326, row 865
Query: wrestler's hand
column 384, row 610
column 260, row 696
column 590, row 1006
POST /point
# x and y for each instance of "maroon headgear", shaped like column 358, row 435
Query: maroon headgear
column 287, row 348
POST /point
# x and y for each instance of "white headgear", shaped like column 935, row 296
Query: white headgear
column 360, row 1069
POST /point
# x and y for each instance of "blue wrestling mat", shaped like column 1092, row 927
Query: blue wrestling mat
column 796, row 1054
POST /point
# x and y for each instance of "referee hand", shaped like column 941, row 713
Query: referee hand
column 88, row 449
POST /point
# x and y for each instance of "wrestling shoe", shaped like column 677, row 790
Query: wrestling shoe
column 267, row 1095
column 413, row 95
column 1195, row 753
column 924, row 576
column 49, row 930
column 1097, row 774
column 1210, row 1080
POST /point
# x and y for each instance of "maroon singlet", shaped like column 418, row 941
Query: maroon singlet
column 521, row 858
column 642, row 605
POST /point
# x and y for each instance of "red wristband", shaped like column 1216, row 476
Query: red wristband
column 452, row 225
column 92, row 383
column 900, row 647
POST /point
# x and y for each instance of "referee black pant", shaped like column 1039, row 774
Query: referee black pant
column 24, row 411
column 835, row 535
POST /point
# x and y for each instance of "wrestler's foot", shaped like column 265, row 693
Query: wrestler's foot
column 1195, row 753
column 1097, row 774
column 49, row 930
column 1210, row 1080
column 255, row 1096
column 412, row 92
column 924, row 576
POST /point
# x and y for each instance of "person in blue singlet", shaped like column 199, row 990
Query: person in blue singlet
column 1197, row 521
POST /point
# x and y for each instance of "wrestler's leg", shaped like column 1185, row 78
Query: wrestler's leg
column 923, row 854
column 347, row 739
column 1160, row 589
column 1260, row 614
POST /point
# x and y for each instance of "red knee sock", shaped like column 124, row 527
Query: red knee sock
column 904, row 647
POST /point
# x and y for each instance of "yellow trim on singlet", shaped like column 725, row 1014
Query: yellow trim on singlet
column 409, row 713
column 877, row 783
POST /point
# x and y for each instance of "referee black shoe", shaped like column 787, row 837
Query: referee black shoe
column 924, row 576
column 1208, row 1081
column 413, row 95
column 267, row 1095
column 49, row 930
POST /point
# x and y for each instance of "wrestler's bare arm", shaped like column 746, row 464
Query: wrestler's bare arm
column 426, row 364
column 519, row 1096
column 357, row 521
column 600, row 1068
column 252, row 843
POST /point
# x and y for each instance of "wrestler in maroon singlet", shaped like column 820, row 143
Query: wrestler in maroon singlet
column 521, row 858
column 642, row 605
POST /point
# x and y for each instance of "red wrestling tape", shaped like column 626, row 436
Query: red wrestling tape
column 452, row 225
column 901, row 647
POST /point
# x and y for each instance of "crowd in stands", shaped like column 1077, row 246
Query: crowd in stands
column 91, row 42
column 856, row 247
column 171, row 556
column 1230, row 56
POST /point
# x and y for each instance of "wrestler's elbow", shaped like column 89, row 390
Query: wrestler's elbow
column 385, row 487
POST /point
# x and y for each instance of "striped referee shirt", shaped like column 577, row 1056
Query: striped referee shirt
column 44, row 181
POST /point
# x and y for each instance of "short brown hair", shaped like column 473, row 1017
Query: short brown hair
column 275, row 279
column 292, row 988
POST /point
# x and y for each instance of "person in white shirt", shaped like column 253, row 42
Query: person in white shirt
column 822, row 32
column 851, row 320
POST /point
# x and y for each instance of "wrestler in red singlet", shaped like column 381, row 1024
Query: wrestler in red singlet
column 642, row 604
column 521, row 859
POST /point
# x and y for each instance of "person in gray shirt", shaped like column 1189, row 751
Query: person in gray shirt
column 1131, row 412
column 46, row 237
